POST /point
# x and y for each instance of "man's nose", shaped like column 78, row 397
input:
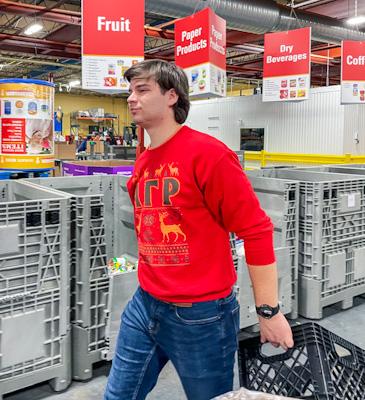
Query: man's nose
column 131, row 97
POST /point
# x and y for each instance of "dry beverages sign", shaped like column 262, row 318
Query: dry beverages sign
column 200, row 48
column 353, row 72
column 287, row 65
column 112, row 41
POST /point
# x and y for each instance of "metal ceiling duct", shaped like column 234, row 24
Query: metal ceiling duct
column 259, row 16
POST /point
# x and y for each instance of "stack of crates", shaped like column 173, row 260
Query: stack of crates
column 124, row 285
column 95, row 237
column 331, row 238
column 280, row 200
column 35, row 334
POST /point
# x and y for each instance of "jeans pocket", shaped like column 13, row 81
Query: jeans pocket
column 198, row 314
column 235, row 313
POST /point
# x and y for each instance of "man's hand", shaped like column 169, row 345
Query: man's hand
column 276, row 331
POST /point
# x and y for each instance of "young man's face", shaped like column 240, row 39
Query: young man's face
column 148, row 106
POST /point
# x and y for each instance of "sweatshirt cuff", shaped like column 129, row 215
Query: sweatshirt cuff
column 260, row 252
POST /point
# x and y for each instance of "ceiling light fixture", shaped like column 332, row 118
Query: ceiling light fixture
column 33, row 28
column 74, row 83
column 357, row 20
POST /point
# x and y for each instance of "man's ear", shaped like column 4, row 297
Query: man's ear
column 172, row 97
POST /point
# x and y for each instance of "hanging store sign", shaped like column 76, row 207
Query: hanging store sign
column 353, row 72
column 287, row 65
column 112, row 41
column 200, row 49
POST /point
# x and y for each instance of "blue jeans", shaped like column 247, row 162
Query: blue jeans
column 200, row 341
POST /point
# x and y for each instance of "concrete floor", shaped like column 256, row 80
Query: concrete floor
column 349, row 324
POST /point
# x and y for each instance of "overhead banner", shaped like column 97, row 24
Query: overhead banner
column 200, row 49
column 287, row 65
column 353, row 72
column 112, row 41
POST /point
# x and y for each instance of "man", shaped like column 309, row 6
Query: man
column 189, row 192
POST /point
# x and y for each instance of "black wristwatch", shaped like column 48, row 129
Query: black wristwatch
column 266, row 311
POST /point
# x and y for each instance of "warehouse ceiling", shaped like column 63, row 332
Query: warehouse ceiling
column 55, row 51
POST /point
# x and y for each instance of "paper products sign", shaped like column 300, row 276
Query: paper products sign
column 353, row 72
column 287, row 65
column 200, row 48
column 112, row 41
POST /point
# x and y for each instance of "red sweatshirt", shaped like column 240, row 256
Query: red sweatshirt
column 188, row 194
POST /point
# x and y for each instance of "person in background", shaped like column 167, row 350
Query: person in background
column 83, row 145
column 81, row 149
column 112, row 140
column 185, row 205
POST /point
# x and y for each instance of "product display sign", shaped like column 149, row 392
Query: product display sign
column 353, row 72
column 26, row 121
column 200, row 49
column 287, row 65
column 112, row 41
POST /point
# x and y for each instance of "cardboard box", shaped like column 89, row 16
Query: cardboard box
column 98, row 147
column 57, row 170
column 98, row 167
column 65, row 151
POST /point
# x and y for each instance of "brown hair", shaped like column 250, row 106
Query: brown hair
column 168, row 76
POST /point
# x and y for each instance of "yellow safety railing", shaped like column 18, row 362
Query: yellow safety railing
column 265, row 158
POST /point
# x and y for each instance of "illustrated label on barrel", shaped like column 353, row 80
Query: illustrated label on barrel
column 26, row 121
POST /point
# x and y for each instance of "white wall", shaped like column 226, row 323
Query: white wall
column 354, row 126
column 314, row 126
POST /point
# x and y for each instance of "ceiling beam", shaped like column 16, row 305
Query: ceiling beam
column 11, row 48
column 67, row 33
column 152, row 31
column 238, row 37
column 39, row 43
column 56, row 15
column 40, row 62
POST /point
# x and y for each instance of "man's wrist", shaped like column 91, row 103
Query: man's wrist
column 266, row 311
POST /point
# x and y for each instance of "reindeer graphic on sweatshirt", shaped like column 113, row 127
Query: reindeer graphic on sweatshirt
column 167, row 229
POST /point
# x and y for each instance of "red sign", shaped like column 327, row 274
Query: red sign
column 287, row 53
column 113, row 27
column 200, row 38
column 13, row 136
column 353, row 61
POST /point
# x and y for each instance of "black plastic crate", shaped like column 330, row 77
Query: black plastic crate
column 320, row 366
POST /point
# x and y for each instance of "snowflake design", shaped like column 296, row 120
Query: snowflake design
column 148, row 236
column 149, row 220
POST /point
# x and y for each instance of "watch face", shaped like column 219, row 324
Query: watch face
column 266, row 311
